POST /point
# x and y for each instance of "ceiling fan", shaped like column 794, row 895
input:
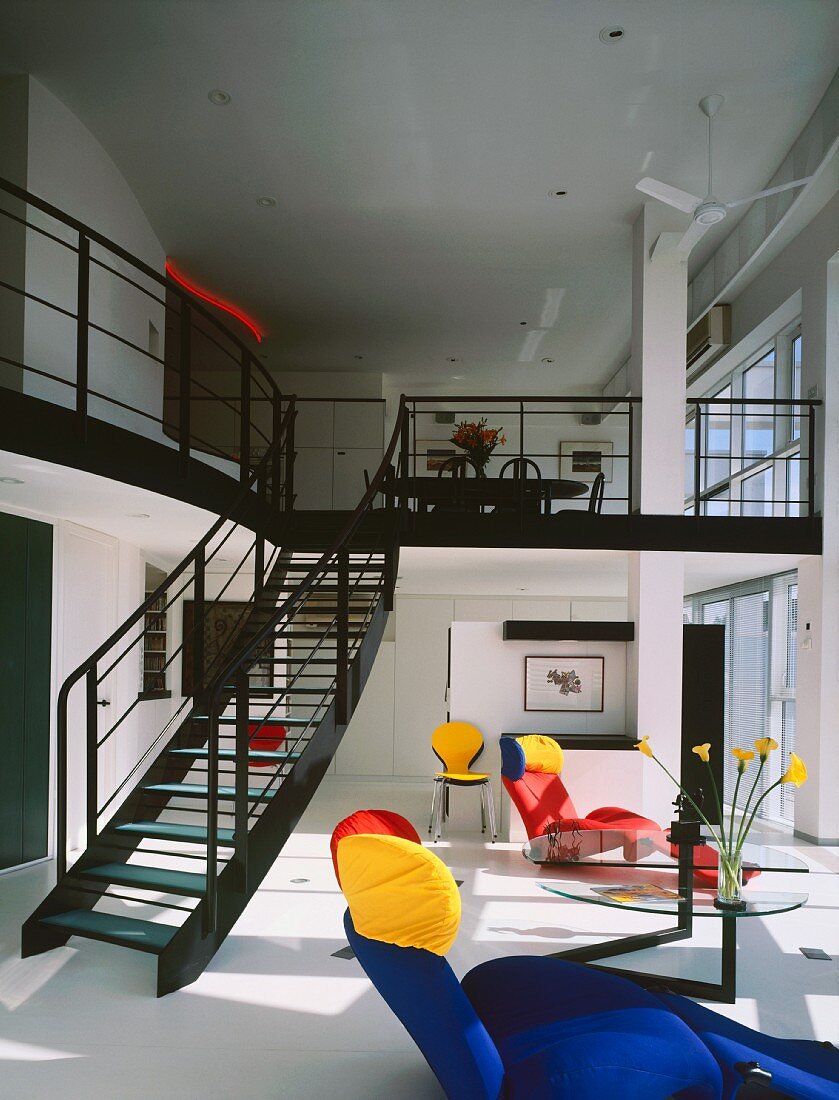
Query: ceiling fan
column 710, row 210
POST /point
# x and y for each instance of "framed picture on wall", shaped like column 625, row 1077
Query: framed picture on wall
column 432, row 453
column 223, row 621
column 563, row 683
column 581, row 461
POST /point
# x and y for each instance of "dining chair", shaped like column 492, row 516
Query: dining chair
column 458, row 467
column 519, row 468
column 457, row 745
column 595, row 501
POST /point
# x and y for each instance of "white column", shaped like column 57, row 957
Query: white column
column 817, row 689
column 657, row 366
column 656, row 579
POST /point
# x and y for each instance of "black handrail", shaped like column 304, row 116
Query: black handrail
column 190, row 307
column 235, row 671
column 87, row 668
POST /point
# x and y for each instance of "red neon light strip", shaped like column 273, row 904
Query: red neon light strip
column 205, row 297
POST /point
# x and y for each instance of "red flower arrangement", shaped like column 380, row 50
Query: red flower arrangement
column 478, row 440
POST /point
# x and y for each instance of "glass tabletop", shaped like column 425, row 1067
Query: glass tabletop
column 645, row 848
column 626, row 895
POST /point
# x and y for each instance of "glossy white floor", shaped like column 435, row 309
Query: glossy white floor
column 276, row 1015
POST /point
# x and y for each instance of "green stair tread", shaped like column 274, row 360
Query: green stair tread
column 170, row 830
column 195, row 790
column 149, row 878
column 142, row 935
column 230, row 754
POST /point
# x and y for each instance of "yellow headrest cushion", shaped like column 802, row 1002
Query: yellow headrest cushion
column 541, row 753
column 399, row 892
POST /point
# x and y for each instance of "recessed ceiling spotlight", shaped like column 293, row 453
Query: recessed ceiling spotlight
column 452, row 359
column 218, row 97
column 266, row 200
column 612, row 34
column 11, row 481
column 522, row 322
column 137, row 515
column 547, row 360
column 557, row 194
column 358, row 357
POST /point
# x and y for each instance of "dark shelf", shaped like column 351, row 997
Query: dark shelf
column 155, row 695
column 591, row 741
column 535, row 630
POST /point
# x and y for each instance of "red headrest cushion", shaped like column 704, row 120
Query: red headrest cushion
column 384, row 822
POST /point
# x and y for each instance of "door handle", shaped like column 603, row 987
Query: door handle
column 103, row 702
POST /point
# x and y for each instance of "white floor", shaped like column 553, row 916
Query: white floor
column 275, row 1015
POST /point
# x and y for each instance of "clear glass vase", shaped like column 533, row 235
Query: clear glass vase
column 729, row 882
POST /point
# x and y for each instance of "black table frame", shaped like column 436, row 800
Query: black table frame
column 724, row 991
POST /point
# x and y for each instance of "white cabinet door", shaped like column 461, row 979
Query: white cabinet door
column 313, row 477
column 359, row 424
column 313, row 424
column 348, row 474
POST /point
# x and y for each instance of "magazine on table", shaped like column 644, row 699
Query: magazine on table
column 646, row 891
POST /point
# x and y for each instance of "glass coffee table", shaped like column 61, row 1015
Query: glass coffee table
column 594, row 866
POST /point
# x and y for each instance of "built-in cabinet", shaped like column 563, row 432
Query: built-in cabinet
column 335, row 442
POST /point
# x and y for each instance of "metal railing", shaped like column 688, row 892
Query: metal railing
column 91, row 327
column 342, row 589
column 750, row 457
column 561, row 443
column 121, row 652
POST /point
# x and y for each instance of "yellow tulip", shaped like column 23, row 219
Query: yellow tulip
column 796, row 771
column 764, row 746
column 643, row 747
column 702, row 751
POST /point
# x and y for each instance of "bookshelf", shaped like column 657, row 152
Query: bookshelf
column 154, row 672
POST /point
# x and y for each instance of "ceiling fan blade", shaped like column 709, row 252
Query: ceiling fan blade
column 693, row 234
column 682, row 200
column 769, row 191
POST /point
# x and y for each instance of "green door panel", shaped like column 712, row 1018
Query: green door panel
column 25, row 642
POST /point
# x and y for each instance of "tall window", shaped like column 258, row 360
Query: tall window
column 760, row 619
column 751, row 461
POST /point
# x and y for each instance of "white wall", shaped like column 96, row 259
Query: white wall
column 389, row 736
column 487, row 689
column 69, row 168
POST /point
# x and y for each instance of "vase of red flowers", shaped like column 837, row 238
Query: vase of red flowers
column 477, row 440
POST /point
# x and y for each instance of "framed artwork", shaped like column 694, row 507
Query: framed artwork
column 223, row 621
column 563, row 683
column 432, row 453
column 581, row 461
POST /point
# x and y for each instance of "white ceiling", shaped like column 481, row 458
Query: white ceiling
column 165, row 528
column 411, row 147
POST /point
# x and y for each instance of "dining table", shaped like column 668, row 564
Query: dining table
column 474, row 493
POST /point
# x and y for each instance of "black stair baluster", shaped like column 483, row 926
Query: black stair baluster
column 91, row 691
column 185, row 388
column 82, row 331
column 342, row 643
column 240, row 828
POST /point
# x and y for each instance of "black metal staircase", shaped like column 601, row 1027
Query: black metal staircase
column 190, row 826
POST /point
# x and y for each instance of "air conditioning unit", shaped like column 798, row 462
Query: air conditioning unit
column 708, row 338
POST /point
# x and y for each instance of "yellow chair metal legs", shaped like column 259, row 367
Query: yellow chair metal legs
column 457, row 745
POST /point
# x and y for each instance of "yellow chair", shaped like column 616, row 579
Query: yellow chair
column 457, row 745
